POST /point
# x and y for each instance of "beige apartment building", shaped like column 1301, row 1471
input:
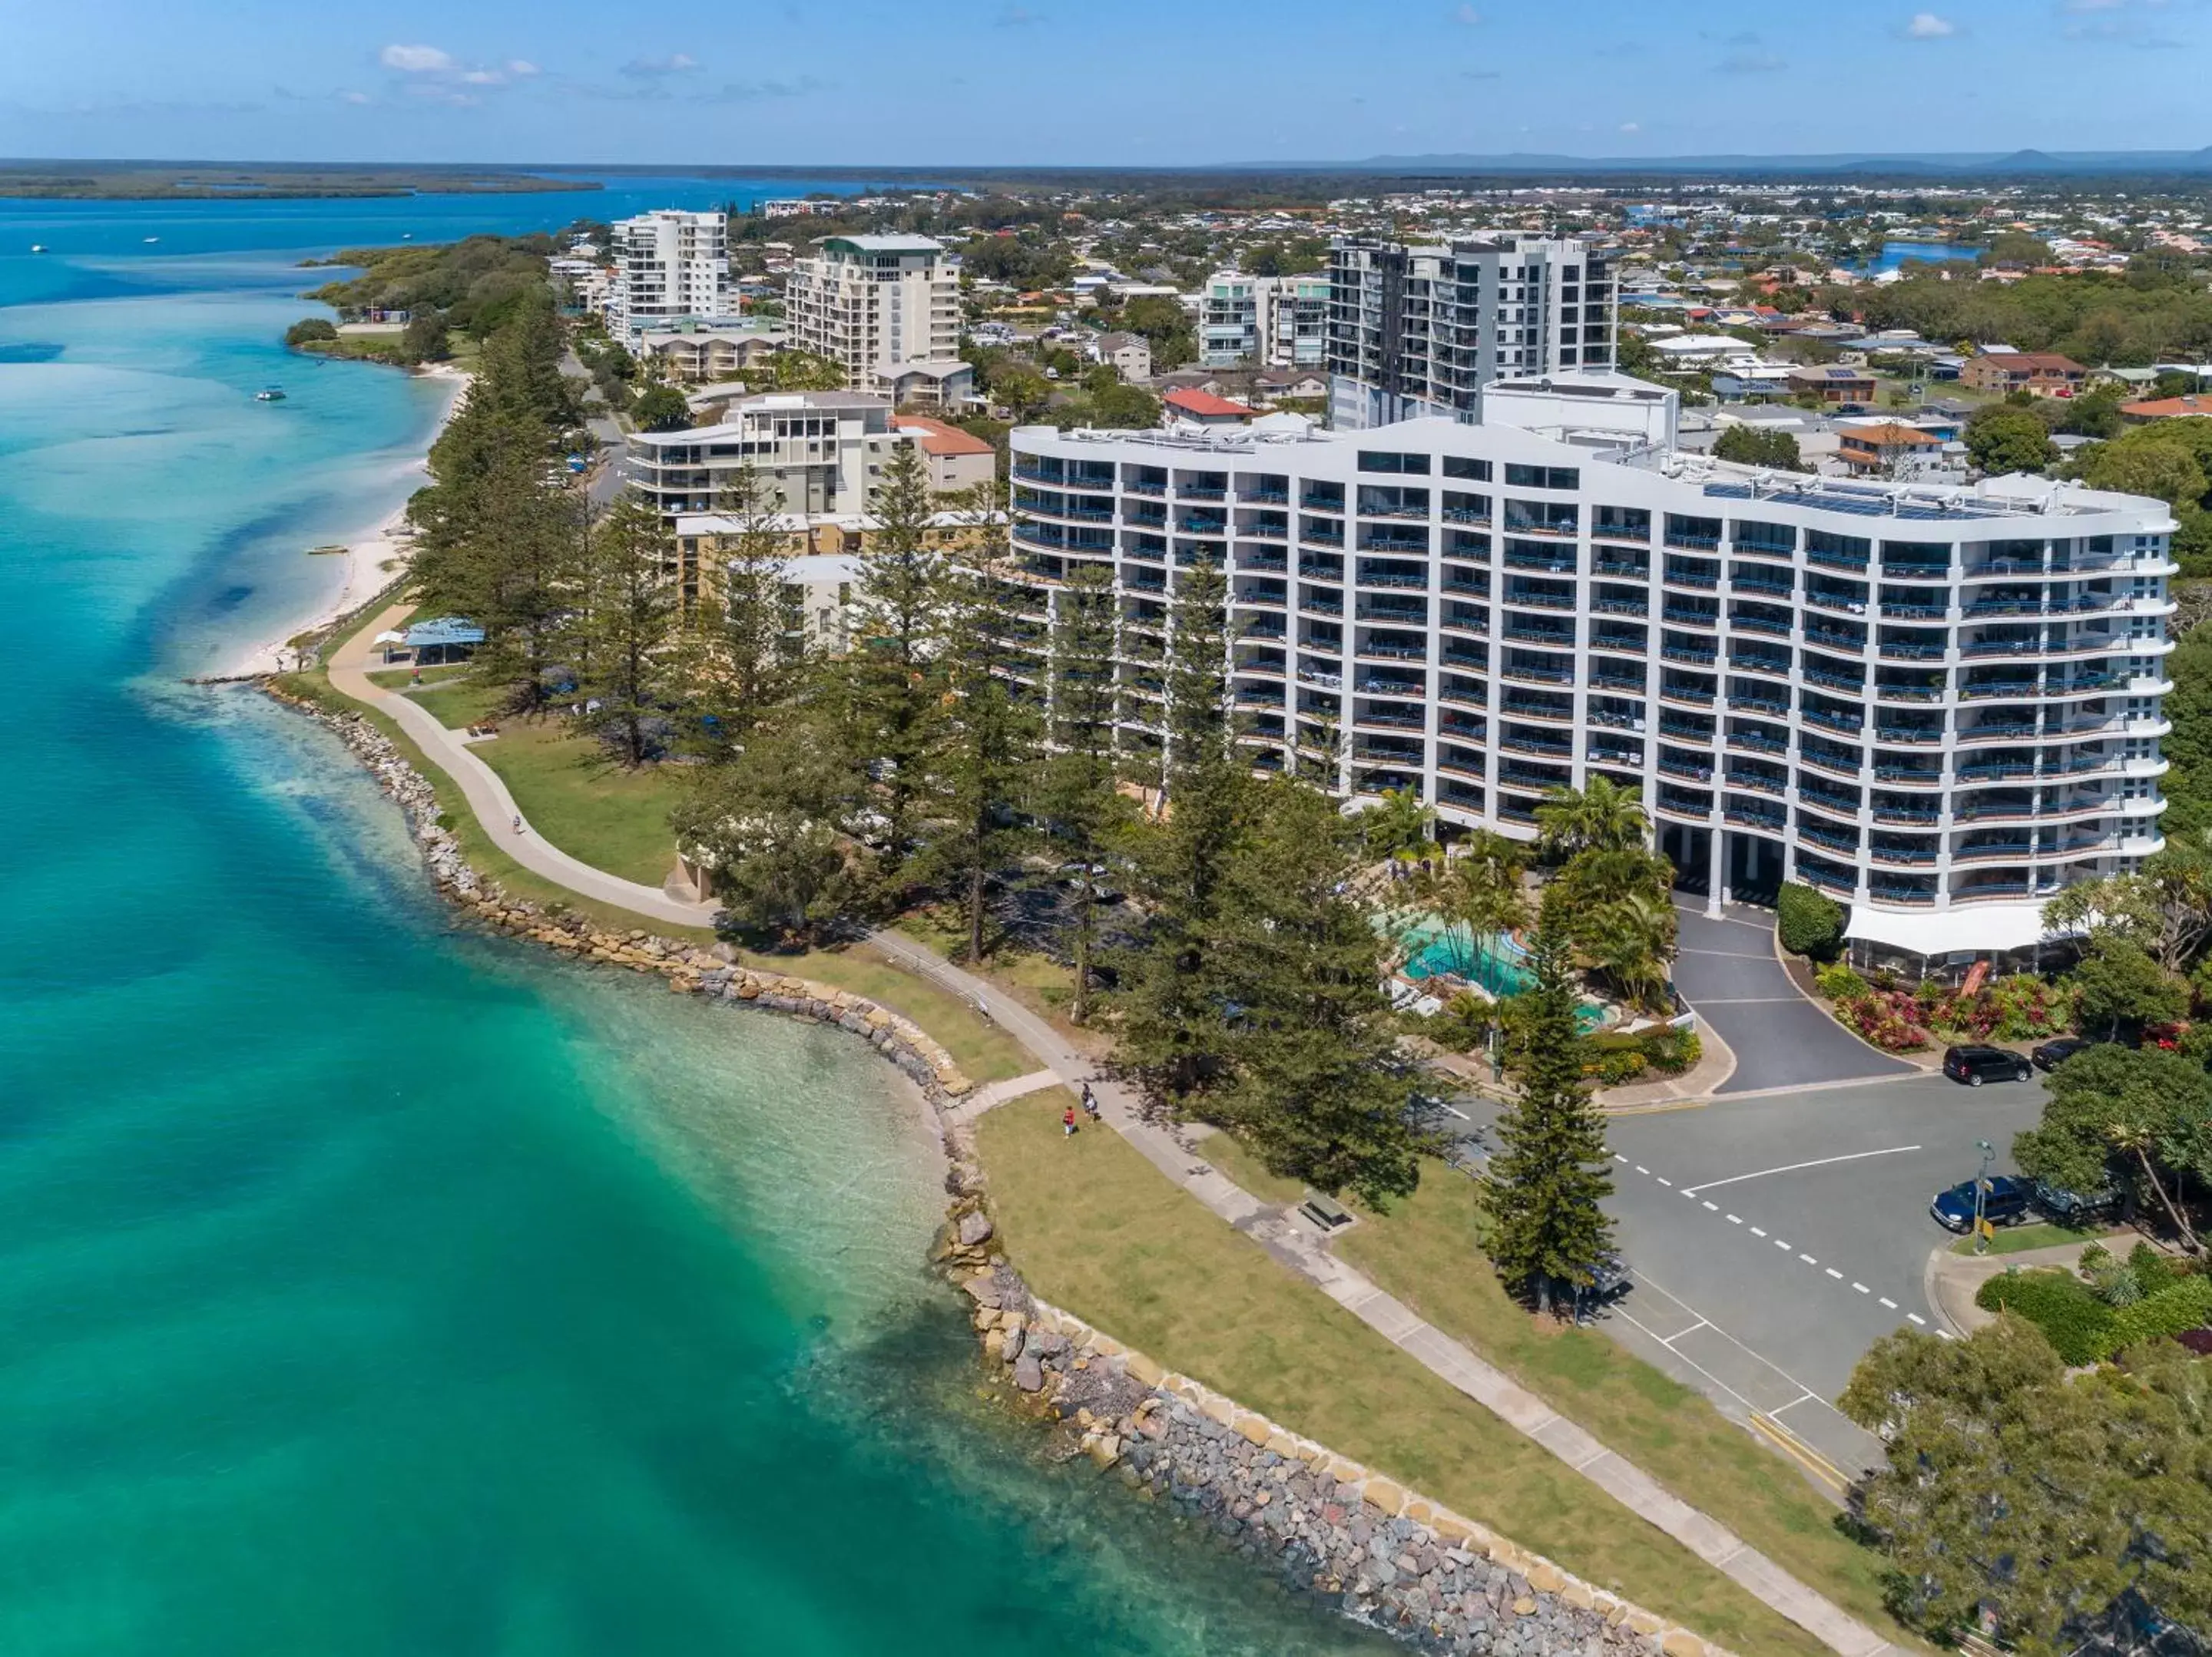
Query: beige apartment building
column 887, row 310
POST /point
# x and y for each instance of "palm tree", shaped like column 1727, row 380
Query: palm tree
column 1604, row 817
column 1628, row 940
column 1480, row 888
column 2131, row 1140
column 1400, row 827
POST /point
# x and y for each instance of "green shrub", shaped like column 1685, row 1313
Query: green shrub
column 1808, row 923
column 1671, row 1052
column 2173, row 1310
column 1839, row 983
column 2066, row 1309
column 2153, row 1270
column 310, row 328
column 1617, row 1056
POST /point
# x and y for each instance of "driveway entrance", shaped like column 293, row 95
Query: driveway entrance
column 1726, row 969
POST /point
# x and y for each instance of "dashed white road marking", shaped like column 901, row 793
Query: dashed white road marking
column 1618, row 1157
column 1782, row 1242
column 1640, row 1169
column 1886, row 1301
column 1915, row 1317
column 1733, row 1219
column 1757, row 1231
column 1664, row 1181
column 1808, row 1259
column 1711, row 1208
column 1863, row 1289
column 1832, row 1272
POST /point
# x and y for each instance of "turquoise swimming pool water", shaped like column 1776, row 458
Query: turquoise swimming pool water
column 1493, row 962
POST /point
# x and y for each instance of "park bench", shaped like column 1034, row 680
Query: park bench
column 1325, row 1212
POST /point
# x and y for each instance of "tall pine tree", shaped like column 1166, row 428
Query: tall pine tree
column 1168, row 1004
column 893, row 692
column 1313, row 1078
column 989, row 742
column 624, row 623
column 1080, row 797
column 1546, row 1187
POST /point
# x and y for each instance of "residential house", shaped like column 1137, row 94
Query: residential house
column 2193, row 406
column 2039, row 373
column 1887, row 448
column 956, row 459
column 1197, row 407
column 1833, row 384
column 1130, row 355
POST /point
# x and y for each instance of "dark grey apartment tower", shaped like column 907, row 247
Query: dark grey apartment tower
column 1420, row 331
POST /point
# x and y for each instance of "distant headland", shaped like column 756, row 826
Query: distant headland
column 261, row 181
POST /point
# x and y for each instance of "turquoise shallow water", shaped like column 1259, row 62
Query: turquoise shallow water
column 370, row 1287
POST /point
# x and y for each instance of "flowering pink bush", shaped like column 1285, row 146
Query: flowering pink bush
column 1896, row 1021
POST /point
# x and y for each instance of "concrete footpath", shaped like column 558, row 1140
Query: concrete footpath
column 1285, row 1239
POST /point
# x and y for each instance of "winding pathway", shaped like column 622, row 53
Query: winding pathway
column 1284, row 1238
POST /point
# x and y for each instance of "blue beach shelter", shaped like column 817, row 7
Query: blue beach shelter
column 446, row 638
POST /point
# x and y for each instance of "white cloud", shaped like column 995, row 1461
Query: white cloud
column 521, row 67
column 1927, row 26
column 484, row 77
column 416, row 60
column 1467, row 15
column 355, row 98
column 677, row 62
column 1632, row 126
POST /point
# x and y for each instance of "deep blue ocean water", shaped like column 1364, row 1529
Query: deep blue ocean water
column 367, row 1286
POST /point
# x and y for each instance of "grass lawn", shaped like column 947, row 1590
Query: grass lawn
column 1037, row 980
column 459, row 703
column 583, row 801
column 2018, row 1239
column 1423, row 1252
column 1097, row 1229
column 397, row 678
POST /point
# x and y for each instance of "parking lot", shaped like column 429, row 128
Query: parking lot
column 1771, row 1240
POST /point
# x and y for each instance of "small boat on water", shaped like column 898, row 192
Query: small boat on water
column 269, row 394
column 152, row 239
column 38, row 247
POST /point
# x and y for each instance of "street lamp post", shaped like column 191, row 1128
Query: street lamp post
column 1981, row 1191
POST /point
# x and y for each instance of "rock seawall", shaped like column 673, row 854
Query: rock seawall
column 689, row 969
column 1386, row 1556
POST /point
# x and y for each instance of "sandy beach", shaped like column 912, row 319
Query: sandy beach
column 370, row 559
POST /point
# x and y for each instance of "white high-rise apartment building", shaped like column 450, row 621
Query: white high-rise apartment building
column 884, row 308
column 1420, row 331
column 1263, row 322
column 1940, row 703
column 670, row 266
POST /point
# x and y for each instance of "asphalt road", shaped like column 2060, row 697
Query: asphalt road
column 1772, row 1240
column 1726, row 970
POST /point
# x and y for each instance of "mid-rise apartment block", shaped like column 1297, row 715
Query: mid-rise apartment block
column 1263, row 322
column 670, row 266
column 886, row 309
column 1940, row 703
column 1415, row 332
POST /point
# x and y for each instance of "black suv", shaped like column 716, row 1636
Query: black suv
column 1975, row 1065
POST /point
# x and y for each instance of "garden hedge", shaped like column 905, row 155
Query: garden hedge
column 1809, row 923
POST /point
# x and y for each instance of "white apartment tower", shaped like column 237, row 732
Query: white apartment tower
column 1263, row 322
column 670, row 266
column 1414, row 331
column 886, row 309
column 1940, row 703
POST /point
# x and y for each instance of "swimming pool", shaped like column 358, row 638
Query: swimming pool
column 1494, row 962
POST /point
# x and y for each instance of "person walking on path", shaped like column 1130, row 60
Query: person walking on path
column 1090, row 1102
column 518, row 822
column 1067, row 1122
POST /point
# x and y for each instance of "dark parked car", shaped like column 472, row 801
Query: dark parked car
column 2005, row 1201
column 2051, row 1054
column 1975, row 1065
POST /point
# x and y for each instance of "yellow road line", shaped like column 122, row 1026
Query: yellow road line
column 1658, row 1109
column 1791, row 1445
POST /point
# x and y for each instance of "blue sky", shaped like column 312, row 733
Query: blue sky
column 1159, row 81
